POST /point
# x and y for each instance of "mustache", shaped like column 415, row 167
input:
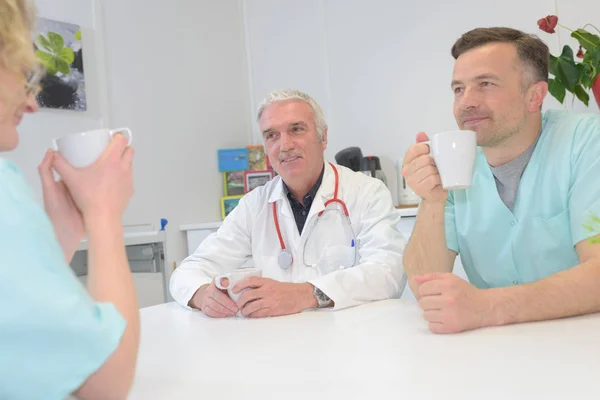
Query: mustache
column 471, row 114
column 288, row 155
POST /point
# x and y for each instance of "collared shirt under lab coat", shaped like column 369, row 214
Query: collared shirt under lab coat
column 249, row 232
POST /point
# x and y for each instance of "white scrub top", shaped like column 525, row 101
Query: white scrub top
column 559, row 189
column 249, row 232
column 52, row 334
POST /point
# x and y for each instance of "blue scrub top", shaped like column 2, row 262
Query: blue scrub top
column 53, row 336
column 559, row 189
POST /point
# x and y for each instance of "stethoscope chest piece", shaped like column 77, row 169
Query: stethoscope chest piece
column 285, row 259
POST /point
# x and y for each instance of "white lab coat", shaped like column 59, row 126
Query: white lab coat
column 249, row 233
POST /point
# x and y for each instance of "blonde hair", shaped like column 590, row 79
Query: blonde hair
column 16, row 46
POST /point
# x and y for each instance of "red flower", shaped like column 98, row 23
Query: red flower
column 548, row 24
column 580, row 53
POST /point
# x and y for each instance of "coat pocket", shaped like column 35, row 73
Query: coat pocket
column 336, row 258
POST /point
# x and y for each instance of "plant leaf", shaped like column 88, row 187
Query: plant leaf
column 51, row 66
column 67, row 55
column 78, row 35
column 47, row 60
column 552, row 65
column 43, row 42
column 587, row 40
column 592, row 56
column 56, row 41
column 565, row 69
column 593, row 225
column 42, row 56
column 62, row 66
column 586, row 74
column 557, row 90
column 592, row 63
column 582, row 95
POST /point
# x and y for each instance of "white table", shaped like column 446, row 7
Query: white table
column 379, row 349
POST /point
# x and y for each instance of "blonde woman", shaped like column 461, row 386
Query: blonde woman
column 56, row 338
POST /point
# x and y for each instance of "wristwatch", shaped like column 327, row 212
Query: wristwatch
column 322, row 299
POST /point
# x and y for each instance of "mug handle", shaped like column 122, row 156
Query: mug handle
column 218, row 281
column 124, row 131
column 428, row 143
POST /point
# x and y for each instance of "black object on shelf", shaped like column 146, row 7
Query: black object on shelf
column 371, row 166
column 350, row 157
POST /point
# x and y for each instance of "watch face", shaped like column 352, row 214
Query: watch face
column 321, row 297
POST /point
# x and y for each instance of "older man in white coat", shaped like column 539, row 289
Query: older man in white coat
column 296, row 229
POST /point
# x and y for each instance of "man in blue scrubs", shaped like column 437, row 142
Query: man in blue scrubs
column 520, row 228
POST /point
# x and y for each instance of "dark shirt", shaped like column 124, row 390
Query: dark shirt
column 301, row 210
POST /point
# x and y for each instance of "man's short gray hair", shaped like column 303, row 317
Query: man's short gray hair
column 290, row 94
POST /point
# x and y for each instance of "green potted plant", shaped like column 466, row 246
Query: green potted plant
column 593, row 226
column 569, row 75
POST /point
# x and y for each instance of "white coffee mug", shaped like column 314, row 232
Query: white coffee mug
column 82, row 149
column 454, row 154
column 234, row 277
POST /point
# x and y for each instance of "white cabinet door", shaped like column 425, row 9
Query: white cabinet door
column 195, row 237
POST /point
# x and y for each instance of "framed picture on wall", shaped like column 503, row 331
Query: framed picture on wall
column 254, row 179
column 58, row 47
column 257, row 160
column 233, row 159
column 233, row 183
column 228, row 203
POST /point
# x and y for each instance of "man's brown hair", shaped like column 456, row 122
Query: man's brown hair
column 533, row 53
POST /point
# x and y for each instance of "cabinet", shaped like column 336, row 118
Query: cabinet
column 146, row 253
column 196, row 233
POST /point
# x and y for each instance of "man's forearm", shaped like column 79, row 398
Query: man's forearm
column 568, row 293
column 426, row 250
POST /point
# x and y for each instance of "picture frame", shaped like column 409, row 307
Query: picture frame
column 233, row 183
column 58, row 46
column 233, row 159
column 257, row 159
column 228, row 203
column 254, row 179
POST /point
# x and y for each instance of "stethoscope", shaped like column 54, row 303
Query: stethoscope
column 285, row 258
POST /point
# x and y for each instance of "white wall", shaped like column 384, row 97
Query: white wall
column 38, row 130
column 177, row 78
column 381, row 69
column 174, row 72
column 187, row 75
